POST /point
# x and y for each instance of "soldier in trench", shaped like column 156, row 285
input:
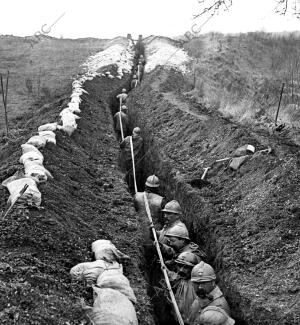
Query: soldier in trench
column 182, row 286
column 156, row 203
column 125, row 122
column 134, row 82
column 122, row 97
column 208, row 293
column 138, row 152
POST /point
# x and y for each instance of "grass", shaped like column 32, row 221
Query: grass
column 49, row 64
column 242, row 74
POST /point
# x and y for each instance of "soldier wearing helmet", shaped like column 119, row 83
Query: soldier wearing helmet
column 208, row 293
column 138, row 149
column 154, row 199
column 181, row 284
column 134, row 82
column 179, row 242
column 122, row 115
column 122, row 97
column 214, row 316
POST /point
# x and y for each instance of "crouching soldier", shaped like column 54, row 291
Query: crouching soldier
column 181, row 283
column 208, row 293
column 179, row 242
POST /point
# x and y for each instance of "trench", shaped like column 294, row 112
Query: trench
column 171, row 189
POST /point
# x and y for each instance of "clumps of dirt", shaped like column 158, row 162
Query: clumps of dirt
column 86, row 200
column 248, row 220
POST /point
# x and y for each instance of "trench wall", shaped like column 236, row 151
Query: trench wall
column 242, row 219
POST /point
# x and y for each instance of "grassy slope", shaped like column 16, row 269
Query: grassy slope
column 242, row 74
column 53, row 61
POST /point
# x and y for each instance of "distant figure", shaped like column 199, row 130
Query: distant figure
column 138, row 148
column 122, row 97
column 134, row 82
column 125, row 122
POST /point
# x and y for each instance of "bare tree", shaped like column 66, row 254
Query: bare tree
column 210, row 8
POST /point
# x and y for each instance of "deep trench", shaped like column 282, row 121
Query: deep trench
column 161, row 306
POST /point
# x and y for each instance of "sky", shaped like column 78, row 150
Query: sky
column 111, row 18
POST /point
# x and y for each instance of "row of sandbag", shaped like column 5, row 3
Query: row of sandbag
column 114, row 299
column 32, row 158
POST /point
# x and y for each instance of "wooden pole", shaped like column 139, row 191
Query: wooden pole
column 4, row 103
column 163, row 267
column 133, row 164
column 279, row 103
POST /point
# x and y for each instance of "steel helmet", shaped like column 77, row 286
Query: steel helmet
column 136, row 131
column 152, row 181
column 172, row 207
column 134, row 76
column 187, row 258
column 203, row 272
column 214, row 315
column 178, row 231
column 123, row 90
column 124, row 107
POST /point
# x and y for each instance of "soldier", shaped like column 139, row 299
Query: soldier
column 142, row 60
column 155, row 201
column 181, row 283
column 138, row 147
column 134, row 82
column 125, row 122
column 214, row 316
column 208, row 293
column 122, row 97
column 179, row 242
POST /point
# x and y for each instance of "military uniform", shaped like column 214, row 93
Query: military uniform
column 125, row 122
column 214, row 298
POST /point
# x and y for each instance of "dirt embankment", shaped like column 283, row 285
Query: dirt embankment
column 86, row 200
column 248, row 221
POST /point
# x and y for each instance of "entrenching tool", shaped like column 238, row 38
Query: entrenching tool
column 133, row 164
column 15, row 201
column 163, row 267
column 205, row 172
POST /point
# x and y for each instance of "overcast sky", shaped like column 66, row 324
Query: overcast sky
column 110, row 18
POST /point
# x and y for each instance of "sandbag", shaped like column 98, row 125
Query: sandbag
column 247, row 149
column 26, row 147
column 49, row 136
column 90, row 271
column 16, row 183
column 48, row 127
column 116, row 280
column 34, row 169
column 74, row 107
column 37, row 141
column 237, row 162
column 32, row 156
column 111, row 307
column 105, row 249
column 69, row 129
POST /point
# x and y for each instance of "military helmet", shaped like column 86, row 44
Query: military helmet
column 136, row 130
column 203, row 272
column 214, row 315
column 187, row 258
column 178, row 231
column 152, row 181
column 123, row 90
column 172, row 207
column 124, row 107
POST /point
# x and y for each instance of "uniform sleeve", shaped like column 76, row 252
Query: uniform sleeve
column 167, row 251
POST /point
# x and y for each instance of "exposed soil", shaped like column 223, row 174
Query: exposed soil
column 248, row 221
column 86, row 200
